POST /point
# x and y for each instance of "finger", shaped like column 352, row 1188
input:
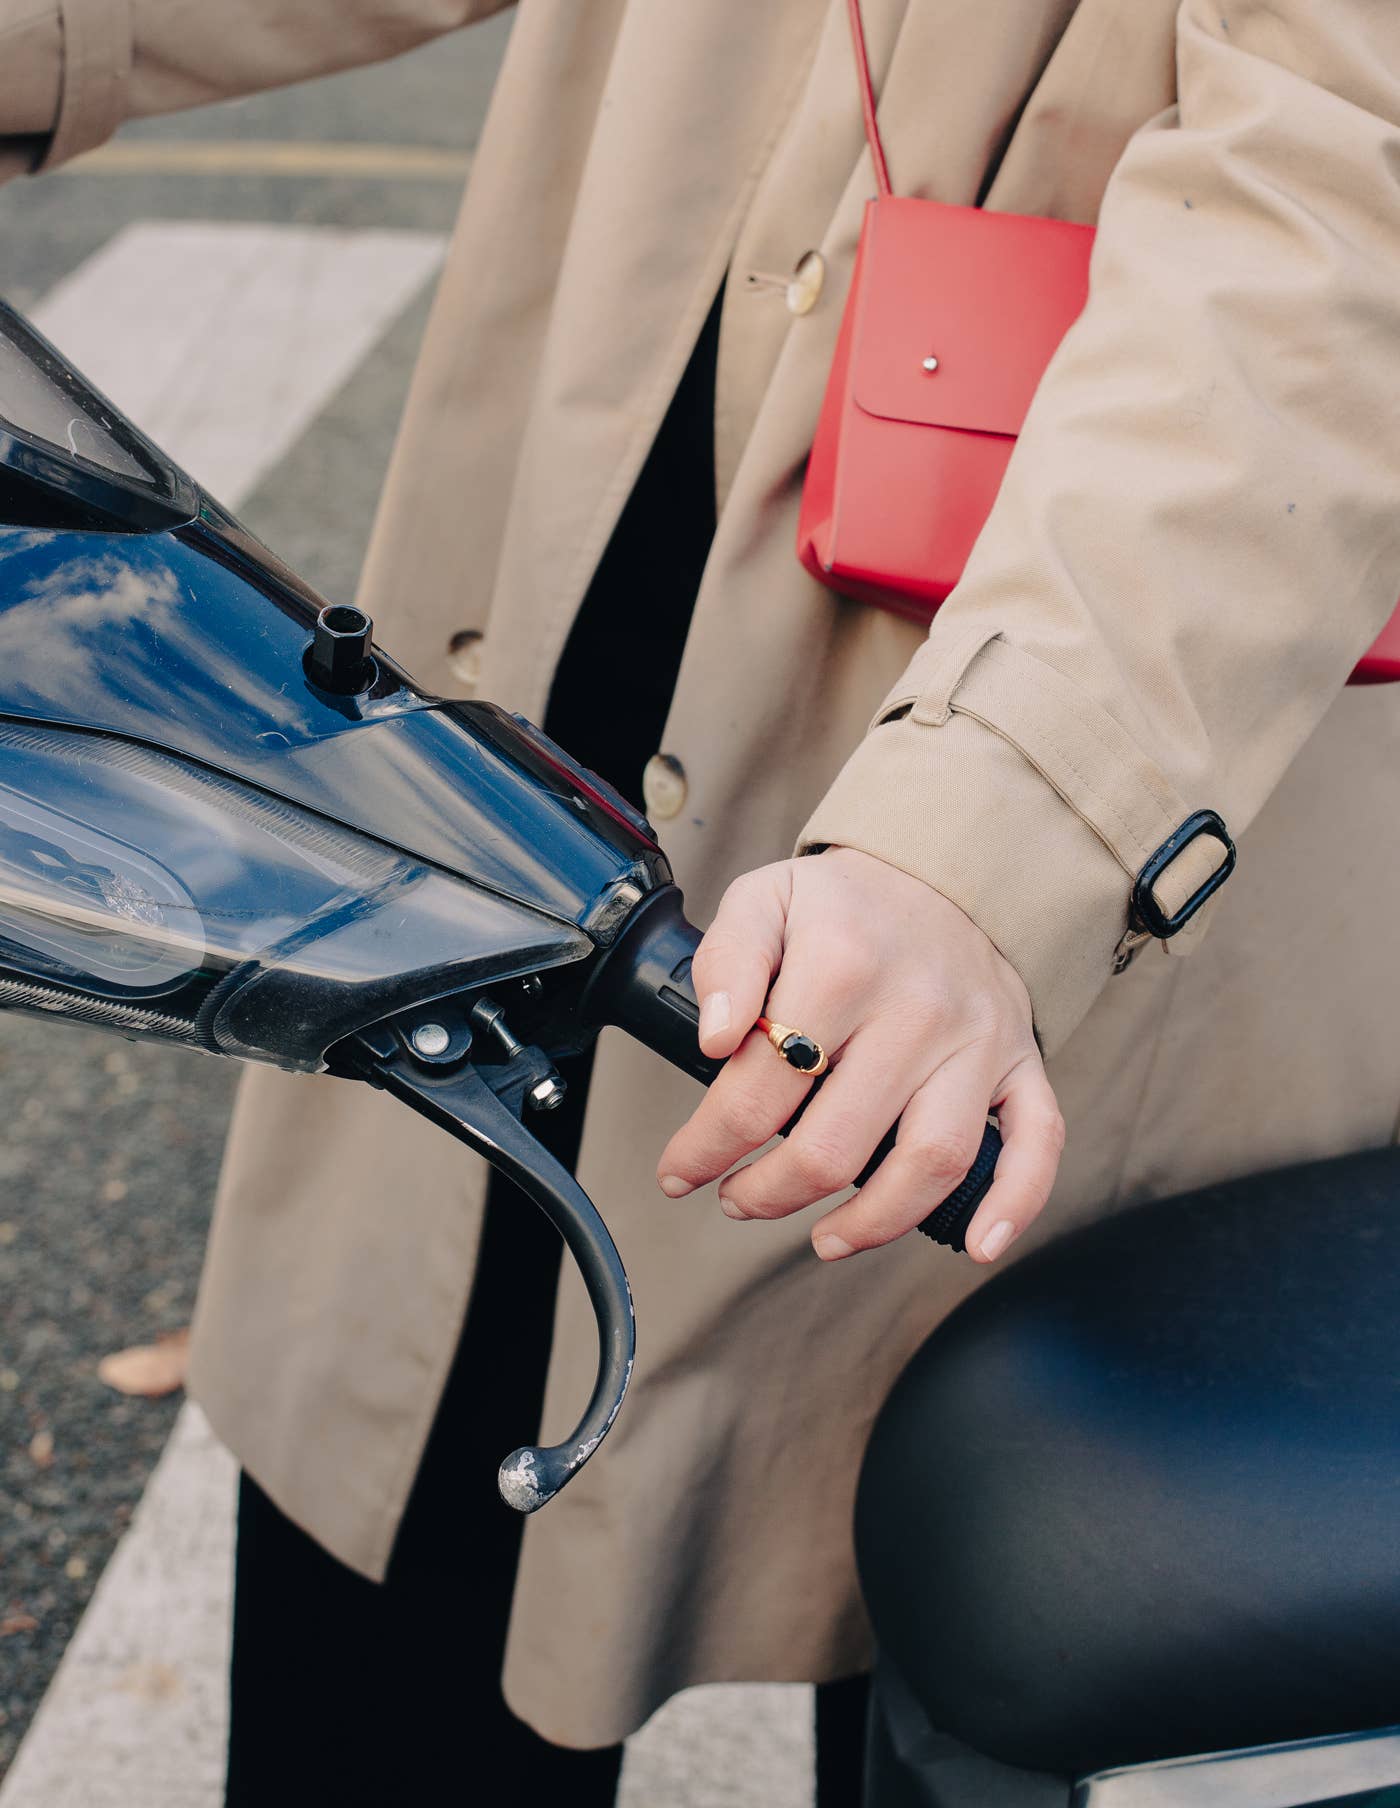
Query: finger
column 1033, row 1137
column 753, row 1097
column 937, row 1142
column 738, row 956
column 839, row 1131
column 757, row 1092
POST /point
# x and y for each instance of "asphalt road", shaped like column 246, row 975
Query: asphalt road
column 109, row 1151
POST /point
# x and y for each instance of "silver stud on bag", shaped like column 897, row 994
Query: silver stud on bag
column 930, row 365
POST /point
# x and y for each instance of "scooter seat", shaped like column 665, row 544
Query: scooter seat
column 1140, row 1496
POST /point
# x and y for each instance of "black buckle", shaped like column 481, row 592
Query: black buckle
column 1146, row 913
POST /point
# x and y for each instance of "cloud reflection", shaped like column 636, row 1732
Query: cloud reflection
column 149, row 622
column 151, row 639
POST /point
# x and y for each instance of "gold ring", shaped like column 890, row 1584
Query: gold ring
column 801, row 1051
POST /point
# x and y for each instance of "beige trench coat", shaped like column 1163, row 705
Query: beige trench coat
column 1198, row 537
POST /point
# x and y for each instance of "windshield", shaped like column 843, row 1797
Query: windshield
column 41, row 396
column 67, row 457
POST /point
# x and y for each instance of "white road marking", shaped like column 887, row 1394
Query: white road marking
column 224, row 342
column 136, row 1713
column 729, row 1745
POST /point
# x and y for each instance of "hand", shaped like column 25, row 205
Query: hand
column 920, row 1016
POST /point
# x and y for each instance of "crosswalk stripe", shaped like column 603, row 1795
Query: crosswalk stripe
column 224, row 342
column 136, row 1714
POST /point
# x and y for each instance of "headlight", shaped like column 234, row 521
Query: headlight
column 143, row 892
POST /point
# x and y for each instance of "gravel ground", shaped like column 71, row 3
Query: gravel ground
column 107, row 1165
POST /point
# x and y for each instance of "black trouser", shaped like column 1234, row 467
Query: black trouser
column 346, row 1691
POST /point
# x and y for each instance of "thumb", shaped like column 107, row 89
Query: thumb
column 739, row 955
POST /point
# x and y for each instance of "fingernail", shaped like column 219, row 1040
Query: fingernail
column 715, row 1014
column 996, row 1240
column 831, row 1248
column 730, row 1210
column 674, row 1187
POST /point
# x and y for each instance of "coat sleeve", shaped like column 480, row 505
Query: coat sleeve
column 1198, row 535
column 72, row 70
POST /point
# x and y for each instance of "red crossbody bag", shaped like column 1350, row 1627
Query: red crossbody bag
column 952, row 317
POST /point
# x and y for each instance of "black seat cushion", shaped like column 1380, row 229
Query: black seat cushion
column 1140, row 1496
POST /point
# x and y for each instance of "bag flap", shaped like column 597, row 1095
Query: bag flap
column 990, row 295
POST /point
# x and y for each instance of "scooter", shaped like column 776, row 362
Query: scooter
column 1126, row 1526
column 230, row 821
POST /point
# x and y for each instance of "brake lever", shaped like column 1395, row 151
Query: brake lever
column 459, row 1100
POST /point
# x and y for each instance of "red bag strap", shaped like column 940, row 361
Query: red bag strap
column 867, row 99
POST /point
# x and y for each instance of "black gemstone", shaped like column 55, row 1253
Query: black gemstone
column 802, row 1053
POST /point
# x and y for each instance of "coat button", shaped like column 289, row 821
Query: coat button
column 464, row 652
column 663, row 786
column 805, row 284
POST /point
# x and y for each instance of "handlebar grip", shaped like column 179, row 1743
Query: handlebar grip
column 947, row 1223
column 644, row 987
